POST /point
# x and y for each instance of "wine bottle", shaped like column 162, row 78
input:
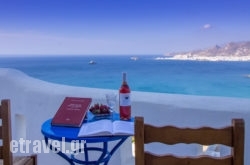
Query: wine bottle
column 124, row 100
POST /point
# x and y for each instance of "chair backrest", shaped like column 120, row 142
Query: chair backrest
column 232, row 136
column 5, row 132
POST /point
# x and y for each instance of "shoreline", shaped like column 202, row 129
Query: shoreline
column 189, row 57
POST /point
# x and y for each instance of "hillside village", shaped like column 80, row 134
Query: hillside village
column 233, row 51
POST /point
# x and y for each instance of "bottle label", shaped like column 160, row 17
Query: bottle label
column 125, row 99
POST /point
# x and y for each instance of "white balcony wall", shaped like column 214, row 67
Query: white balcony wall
column 33, row 101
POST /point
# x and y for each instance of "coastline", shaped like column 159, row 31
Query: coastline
column 232, row 51
column 205, row 58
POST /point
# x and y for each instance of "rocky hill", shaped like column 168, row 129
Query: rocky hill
column 233, row 51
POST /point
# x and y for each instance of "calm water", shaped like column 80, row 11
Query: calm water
column 145, row 74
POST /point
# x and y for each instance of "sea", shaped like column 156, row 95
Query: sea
column 144, row 73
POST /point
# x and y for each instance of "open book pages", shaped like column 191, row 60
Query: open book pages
column 106, row 127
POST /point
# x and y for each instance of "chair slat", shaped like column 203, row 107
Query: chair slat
column 238, row 141
column 139, row 136
column 175, row 160
column 0, row 112
column 6, row 130
column 174, row 135
column 1, row 132
column 1, row 152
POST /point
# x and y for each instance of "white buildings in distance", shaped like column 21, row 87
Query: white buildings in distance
column 233, row 51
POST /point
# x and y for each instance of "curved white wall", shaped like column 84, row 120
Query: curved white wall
column 33, row 101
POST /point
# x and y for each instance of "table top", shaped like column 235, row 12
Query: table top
column 71, row 133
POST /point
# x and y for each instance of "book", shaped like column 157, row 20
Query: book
column 71, row 112
column 106, row 127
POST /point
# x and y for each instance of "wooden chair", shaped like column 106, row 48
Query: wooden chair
column 232, row 136
column 6, row 157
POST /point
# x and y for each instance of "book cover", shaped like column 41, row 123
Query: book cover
column 71, row 112
column 106, row 127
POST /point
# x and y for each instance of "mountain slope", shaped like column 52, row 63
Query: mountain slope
column 233, row 51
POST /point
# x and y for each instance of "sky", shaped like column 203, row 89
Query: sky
column 120, row 27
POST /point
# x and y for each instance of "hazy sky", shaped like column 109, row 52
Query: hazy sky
column 120, row 26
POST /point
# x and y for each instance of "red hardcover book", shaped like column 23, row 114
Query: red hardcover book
column 71, row 112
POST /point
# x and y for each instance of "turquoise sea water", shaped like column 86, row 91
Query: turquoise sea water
column 230, row 79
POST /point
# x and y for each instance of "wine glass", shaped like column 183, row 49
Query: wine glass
column 111, row 101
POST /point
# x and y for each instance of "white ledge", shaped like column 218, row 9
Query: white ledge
column 36, row 101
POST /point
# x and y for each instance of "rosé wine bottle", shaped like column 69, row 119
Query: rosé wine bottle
column 124, row 100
